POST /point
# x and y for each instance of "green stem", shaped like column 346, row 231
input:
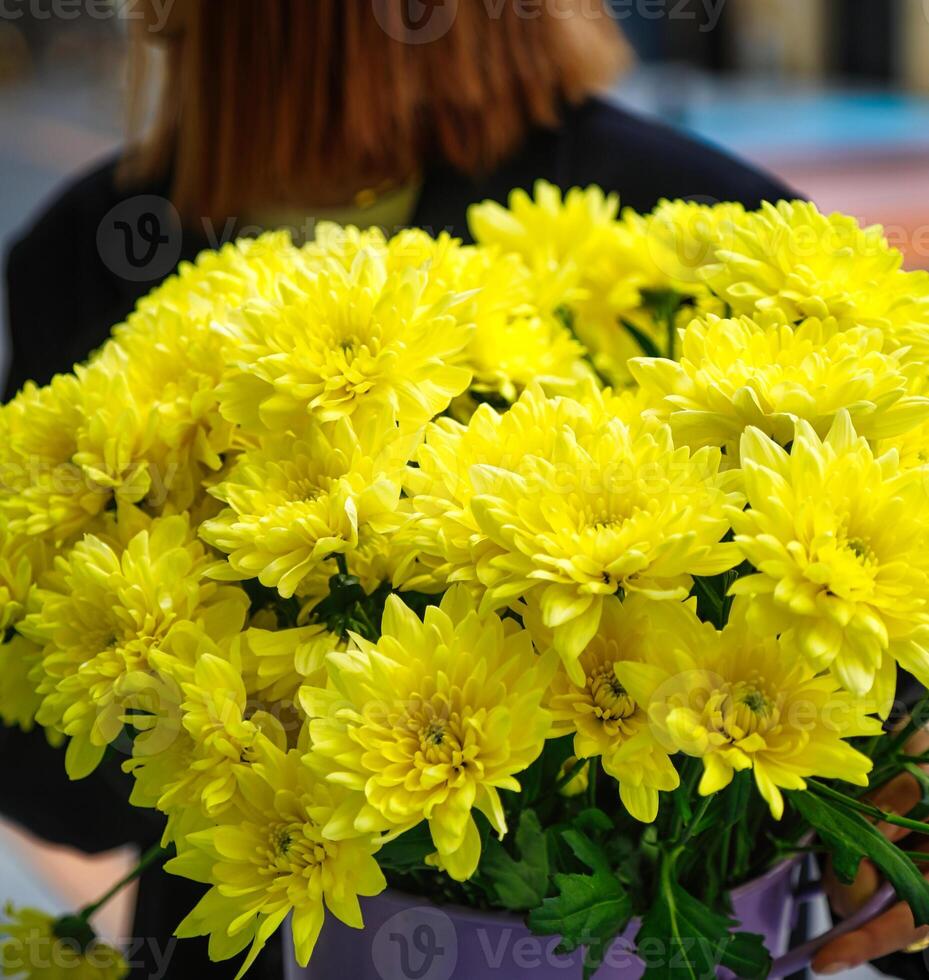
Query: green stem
column 155, row 853
column 908, row 728
column 691, row 828
column 691, row 770
column 569, row 775
column 362, row 615
column 592, row 784
column 866, row 809
column 672, row 333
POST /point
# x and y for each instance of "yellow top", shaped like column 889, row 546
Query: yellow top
column 390, row 210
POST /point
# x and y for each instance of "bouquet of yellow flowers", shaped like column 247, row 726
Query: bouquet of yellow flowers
column 568, row 573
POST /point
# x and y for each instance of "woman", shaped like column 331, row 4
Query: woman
column 288, row 111
column 277, row 113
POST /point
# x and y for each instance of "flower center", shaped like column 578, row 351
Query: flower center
column 349, row 346
column 292, row 849
column 441, row 747
column 281, row 841
column 434, row 734
column 861, row 550
column 610, row 698
column 742, row 709
column 439, row 741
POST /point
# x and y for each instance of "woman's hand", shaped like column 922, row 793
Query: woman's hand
column 893, row 930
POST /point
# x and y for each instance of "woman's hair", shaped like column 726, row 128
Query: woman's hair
column 275, row 102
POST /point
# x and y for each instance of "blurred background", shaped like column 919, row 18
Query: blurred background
column 833, row 95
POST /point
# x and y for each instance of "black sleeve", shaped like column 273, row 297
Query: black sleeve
column 35, row 281
column 62, row 298
column 92, row 814
column 645, row 160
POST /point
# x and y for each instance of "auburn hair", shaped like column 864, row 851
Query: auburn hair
column 292, row 102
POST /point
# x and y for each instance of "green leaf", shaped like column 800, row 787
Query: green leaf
column 850, row 838
column 663, row 303
column 922, row 778
column 683, row 938
column 593, row 821
column 648, row 346
column 747, row 956
column 587, row 851
column 543, row 773
column 589, row 910
column 408, row 852
column 729, row 806
column 518, row 884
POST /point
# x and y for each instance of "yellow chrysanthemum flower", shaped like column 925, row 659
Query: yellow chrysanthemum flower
column 160, row 758
column 22, row 560
column 508, row 354
column 292, row 503
column 345, row 342
column 552, row 233
column 20, row 662
column 171, row 364
column 674, row 244
column 269, row 857
column 37, row 946
column 604, row 718
column 787, row 262
column 429, row 723
column 163, row 750
column 746, row 701
column 734, row 373
column 277, row 663
column 601, row 271
column 443, row 528
column 646, row 269
column 45, row 492
column 114, row 444
column 514, row 342
column 911, row 446
column 229, row 735
column 906, row 325
column 570, row 504
column 342, row 244
column 219, row 280
column 840, row 541
column 108, row 607
column 580, row 266
column 173, row 360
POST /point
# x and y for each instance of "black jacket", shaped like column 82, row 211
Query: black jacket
column 70, row 278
